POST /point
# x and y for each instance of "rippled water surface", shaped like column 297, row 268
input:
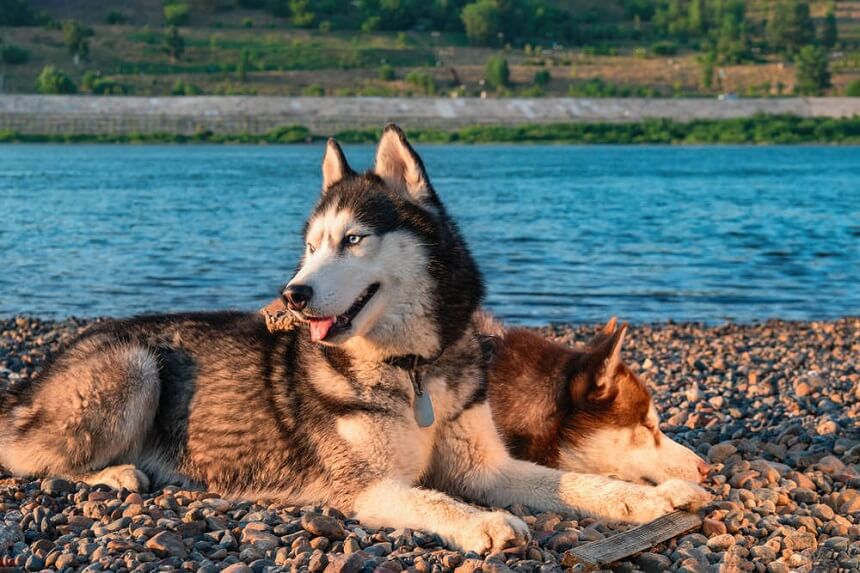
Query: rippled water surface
column 562, row 233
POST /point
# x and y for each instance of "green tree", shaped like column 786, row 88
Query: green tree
column 244, row 62
column 176, row 14
column 174, row 43
column 371, row 24
column 53, row 81
column 812, row 70
column 386, row 72
column 775, row 29
column 801, row 28
column 75, row 37
column 482, row 20
column 732, row 39
column 542, row 78
column 829, row 32
column 790, row 27
column 300, row 14
column 16, row 13
column 696, row 17
column 853, row 89
column 497, row 74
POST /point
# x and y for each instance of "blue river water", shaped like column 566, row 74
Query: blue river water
column 562, row 233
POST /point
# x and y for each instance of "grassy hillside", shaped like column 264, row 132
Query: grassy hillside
column 581, row 47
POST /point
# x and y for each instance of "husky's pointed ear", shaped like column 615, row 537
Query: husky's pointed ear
column 604, row 362
column 400, row 167
column 610, row 326
column 334, row 165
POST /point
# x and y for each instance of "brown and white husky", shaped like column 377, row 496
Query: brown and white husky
column 580, row 409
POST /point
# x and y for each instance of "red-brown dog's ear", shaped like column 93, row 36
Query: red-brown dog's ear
column 610, row 326
column 602, row 364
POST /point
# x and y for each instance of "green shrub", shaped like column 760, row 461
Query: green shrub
column 289, row 134
column 853, row 89
column 88, row 79
column 94, row 83
column 54, row 81
column 386, row 72
column 542, row 78
column 14, row 55
column 313, row 90
column 183, row 88
column 664, row 48
column 176, row 14
column 115, row 18
column 533, row 91
column 598, row 87
column 497, row 74
column 422, row 80
column 247, row 23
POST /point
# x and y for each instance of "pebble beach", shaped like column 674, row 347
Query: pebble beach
column 773, row 406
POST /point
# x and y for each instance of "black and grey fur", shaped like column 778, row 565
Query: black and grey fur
column 217, row 400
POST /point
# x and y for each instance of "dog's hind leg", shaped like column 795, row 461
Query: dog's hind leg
column 87, row 416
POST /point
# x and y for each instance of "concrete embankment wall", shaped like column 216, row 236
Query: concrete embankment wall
column 242, row 114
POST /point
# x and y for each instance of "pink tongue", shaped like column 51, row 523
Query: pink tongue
column 320, row 327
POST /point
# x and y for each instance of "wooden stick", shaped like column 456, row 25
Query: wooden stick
column 632, row 541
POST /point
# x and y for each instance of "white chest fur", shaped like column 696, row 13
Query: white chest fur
column 397, row 442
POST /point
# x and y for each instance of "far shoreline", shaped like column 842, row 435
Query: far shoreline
column 758, row 129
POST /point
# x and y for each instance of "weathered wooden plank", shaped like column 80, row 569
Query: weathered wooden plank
column 632, row 541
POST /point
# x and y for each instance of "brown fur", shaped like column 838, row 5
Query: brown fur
column 543, row 393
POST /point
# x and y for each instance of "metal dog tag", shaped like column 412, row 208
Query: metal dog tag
column 423, row 407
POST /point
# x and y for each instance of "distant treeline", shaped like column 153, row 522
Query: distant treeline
column 725, row 27
column 760, row 129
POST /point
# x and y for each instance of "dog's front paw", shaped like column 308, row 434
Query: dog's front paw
column 125, row 476
column 490, row 532
column 683, row 494
column 665, row 498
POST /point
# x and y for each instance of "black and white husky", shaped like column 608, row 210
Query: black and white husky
column 378, row 406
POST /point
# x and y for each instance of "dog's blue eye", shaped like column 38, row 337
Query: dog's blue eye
column 352, row 240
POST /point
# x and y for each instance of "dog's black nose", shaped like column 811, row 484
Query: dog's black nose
column 297, row 296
